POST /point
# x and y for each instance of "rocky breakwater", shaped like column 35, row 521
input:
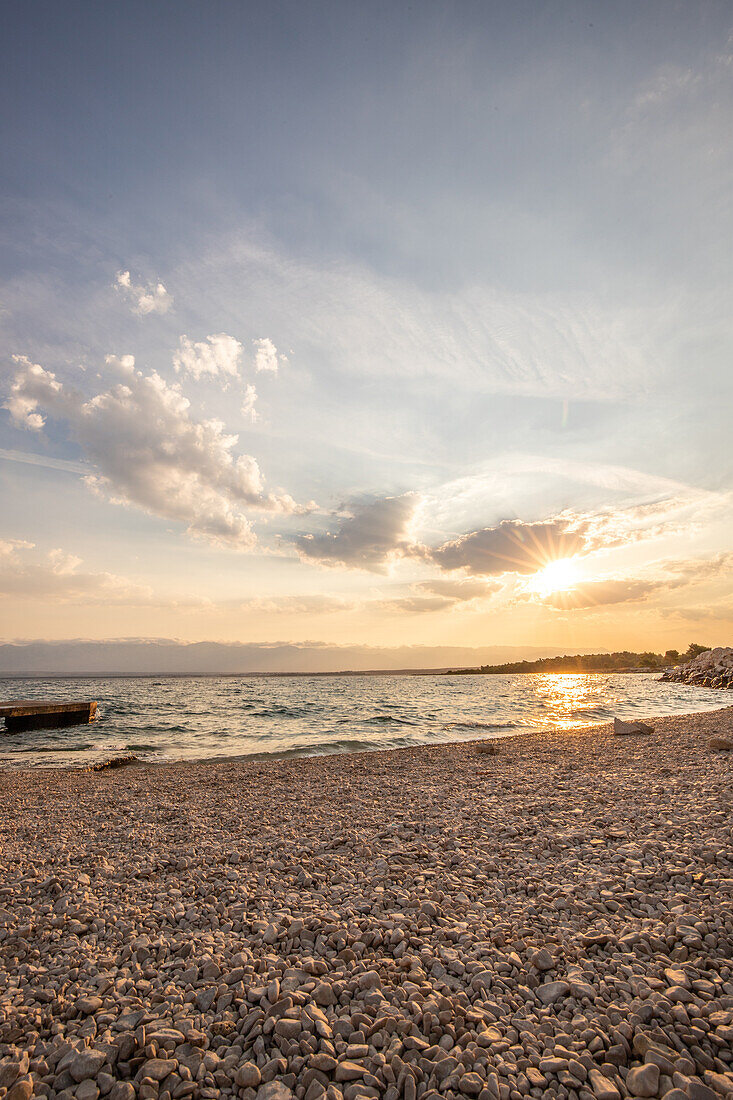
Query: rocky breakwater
column 553, row 921
column 713, row 668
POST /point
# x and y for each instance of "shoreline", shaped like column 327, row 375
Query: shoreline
column 551, row 921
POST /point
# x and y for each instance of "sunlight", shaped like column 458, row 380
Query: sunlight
column 556, row 576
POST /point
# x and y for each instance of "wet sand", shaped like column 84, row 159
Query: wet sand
column 552, row 921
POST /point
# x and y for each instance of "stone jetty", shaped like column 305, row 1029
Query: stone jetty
column 554, row 920
column 713, row 668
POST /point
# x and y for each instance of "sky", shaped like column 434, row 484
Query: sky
column 377, row 324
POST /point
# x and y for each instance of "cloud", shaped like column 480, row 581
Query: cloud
column 371, row 536
column 297, row 605
column 248, row 403
column 144, row 298
column 149, row 452
column 458, row 590
column 413, row 605
column 217, row 356
column 511, row 547
column 57, row 577
column 668, row 577
column 31, row 385
column 267, row 357
column 603, row 593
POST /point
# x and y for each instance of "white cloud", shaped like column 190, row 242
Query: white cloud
column 248, row 404
column 149, row 452
column 218, row 356
column 144, row 297
column 267, row 357
column 31, row 384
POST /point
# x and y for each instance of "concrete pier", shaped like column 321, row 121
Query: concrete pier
column 33, row 714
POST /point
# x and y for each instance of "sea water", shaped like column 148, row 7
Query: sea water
column 208, row 717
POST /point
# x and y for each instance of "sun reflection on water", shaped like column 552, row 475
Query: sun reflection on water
column 564, row 694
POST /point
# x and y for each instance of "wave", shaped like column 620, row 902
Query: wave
column 383, row 719
column 480, row 725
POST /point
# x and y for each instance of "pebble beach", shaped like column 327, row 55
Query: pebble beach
column 550, row 916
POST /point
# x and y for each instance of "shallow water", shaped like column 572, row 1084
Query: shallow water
column 188, row 718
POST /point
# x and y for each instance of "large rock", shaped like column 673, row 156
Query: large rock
column 625, row 729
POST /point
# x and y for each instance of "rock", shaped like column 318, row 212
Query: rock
column 603, row 1088
column 471, row 1084
column 274, row 1090
column 349, row 1071
column 158, row 1068
column 122, row 1090
column 21, row 1090
column 248, row 1076
column 625, row 729
column 542, row 959
column 323, row 994
column 89, row 1005
column 721, row 744
column 552, row 991
column 87, row 1064
column 87, row 1090
column 643, row 1080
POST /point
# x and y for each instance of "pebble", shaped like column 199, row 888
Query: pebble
column 411, row 925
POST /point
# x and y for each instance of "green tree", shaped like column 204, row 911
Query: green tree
column 694, row 650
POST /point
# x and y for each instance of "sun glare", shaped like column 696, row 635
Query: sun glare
column 556, row 576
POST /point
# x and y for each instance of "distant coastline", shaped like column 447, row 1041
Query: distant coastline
column 620, row 661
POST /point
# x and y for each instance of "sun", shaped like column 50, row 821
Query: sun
column 557, row 576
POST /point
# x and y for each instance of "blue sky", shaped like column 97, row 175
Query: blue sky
column 455, row 276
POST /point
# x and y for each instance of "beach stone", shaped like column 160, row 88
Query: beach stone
column 87, row 1064
column 274, row 1090
column 552, row 991
column 324, row 994
column 158, row 1068
column 87, row 1090
column 471, row 1084
column 603, row 1088
column 625, row 729
column 22, row 1089
column 122, row 1090
column 248, row 1076
column 542, row 959
column 643, row 1080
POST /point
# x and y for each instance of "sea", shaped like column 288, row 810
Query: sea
column 160, row 720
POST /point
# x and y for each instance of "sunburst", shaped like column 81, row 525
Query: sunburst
column 556, row 576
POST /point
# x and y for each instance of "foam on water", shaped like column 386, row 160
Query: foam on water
column 189, row 718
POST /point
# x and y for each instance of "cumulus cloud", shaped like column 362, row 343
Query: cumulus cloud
column 144, row 298
column 511, row 547
column 370, row 536
column 267, row 357
column 218, row 356
column 151, row 453
column 249, row 401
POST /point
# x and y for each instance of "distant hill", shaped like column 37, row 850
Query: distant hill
column 164, row 657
